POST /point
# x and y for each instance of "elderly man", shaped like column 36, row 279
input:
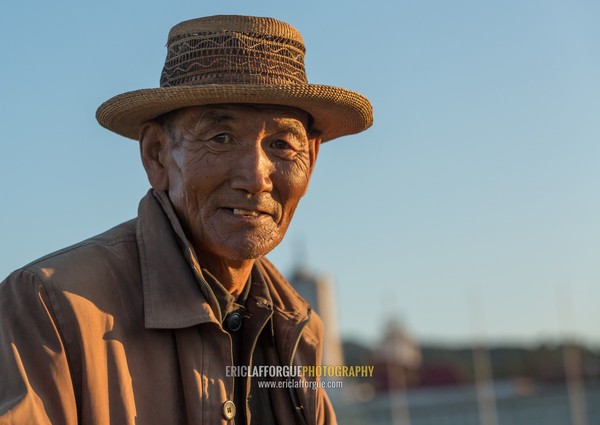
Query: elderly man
column 145, row 323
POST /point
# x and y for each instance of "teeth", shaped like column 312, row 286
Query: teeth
column 245, row 212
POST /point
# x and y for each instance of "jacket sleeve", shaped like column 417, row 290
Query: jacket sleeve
column 36, row 387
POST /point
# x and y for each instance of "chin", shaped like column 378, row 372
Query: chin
column 250, row 250
column 250, row 253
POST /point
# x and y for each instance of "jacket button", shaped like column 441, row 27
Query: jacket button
column 228, row 410
column 234, row 321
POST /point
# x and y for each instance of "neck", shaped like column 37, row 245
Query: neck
column 233, row 275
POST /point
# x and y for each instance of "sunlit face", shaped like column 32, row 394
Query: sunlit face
column 235, row 175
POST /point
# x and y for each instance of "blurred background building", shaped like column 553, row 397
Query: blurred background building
column 318, row 290
column 419, row 383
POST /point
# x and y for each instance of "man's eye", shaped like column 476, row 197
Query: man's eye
column 222, row 138
column 280, row 144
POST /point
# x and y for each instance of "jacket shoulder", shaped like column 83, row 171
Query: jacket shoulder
column 124, row 232
column 88, row 261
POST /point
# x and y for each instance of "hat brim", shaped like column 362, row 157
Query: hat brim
column 336, row 111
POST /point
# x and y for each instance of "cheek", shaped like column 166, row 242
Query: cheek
column 294, row 182
column 183, row 185
column 300, row 174
column 176, row 181
column 194, row 188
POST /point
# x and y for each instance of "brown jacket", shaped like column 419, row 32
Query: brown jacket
column 118, row 330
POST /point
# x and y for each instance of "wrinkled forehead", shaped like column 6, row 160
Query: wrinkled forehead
column 190, row 116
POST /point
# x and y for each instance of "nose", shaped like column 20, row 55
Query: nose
column 252, row 172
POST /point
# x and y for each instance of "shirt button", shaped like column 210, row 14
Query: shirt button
column 228, row 410
column 234, row 321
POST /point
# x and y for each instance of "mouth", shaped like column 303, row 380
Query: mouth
column 243, row 213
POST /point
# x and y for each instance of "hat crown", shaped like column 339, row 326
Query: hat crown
column 237, row 59
column 230, row 49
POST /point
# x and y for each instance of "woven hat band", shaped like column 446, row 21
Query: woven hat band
column 231, row 57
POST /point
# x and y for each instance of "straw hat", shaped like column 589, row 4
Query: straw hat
column 237, row 59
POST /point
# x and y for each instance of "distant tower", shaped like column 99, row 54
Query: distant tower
column 318, row 291
column 398, row 347
column 397, row 356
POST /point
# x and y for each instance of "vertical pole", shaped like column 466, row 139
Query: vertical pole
column 572, row 364
column 486, row 397
column 482, row 365
column 397, row 393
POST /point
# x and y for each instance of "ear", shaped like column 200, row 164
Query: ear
column 153, row 149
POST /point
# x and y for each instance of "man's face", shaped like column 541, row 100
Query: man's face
column 235, row 175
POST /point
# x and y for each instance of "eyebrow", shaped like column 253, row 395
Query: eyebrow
column 211, row 118
column 217, row 117
column 294, row 126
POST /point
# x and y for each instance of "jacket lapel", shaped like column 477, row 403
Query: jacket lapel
column 173, row 298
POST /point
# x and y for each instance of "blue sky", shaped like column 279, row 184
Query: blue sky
column 480, row 175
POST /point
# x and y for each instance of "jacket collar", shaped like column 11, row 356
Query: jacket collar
column 176, row 294
column 290, row 311
column 173, row 297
